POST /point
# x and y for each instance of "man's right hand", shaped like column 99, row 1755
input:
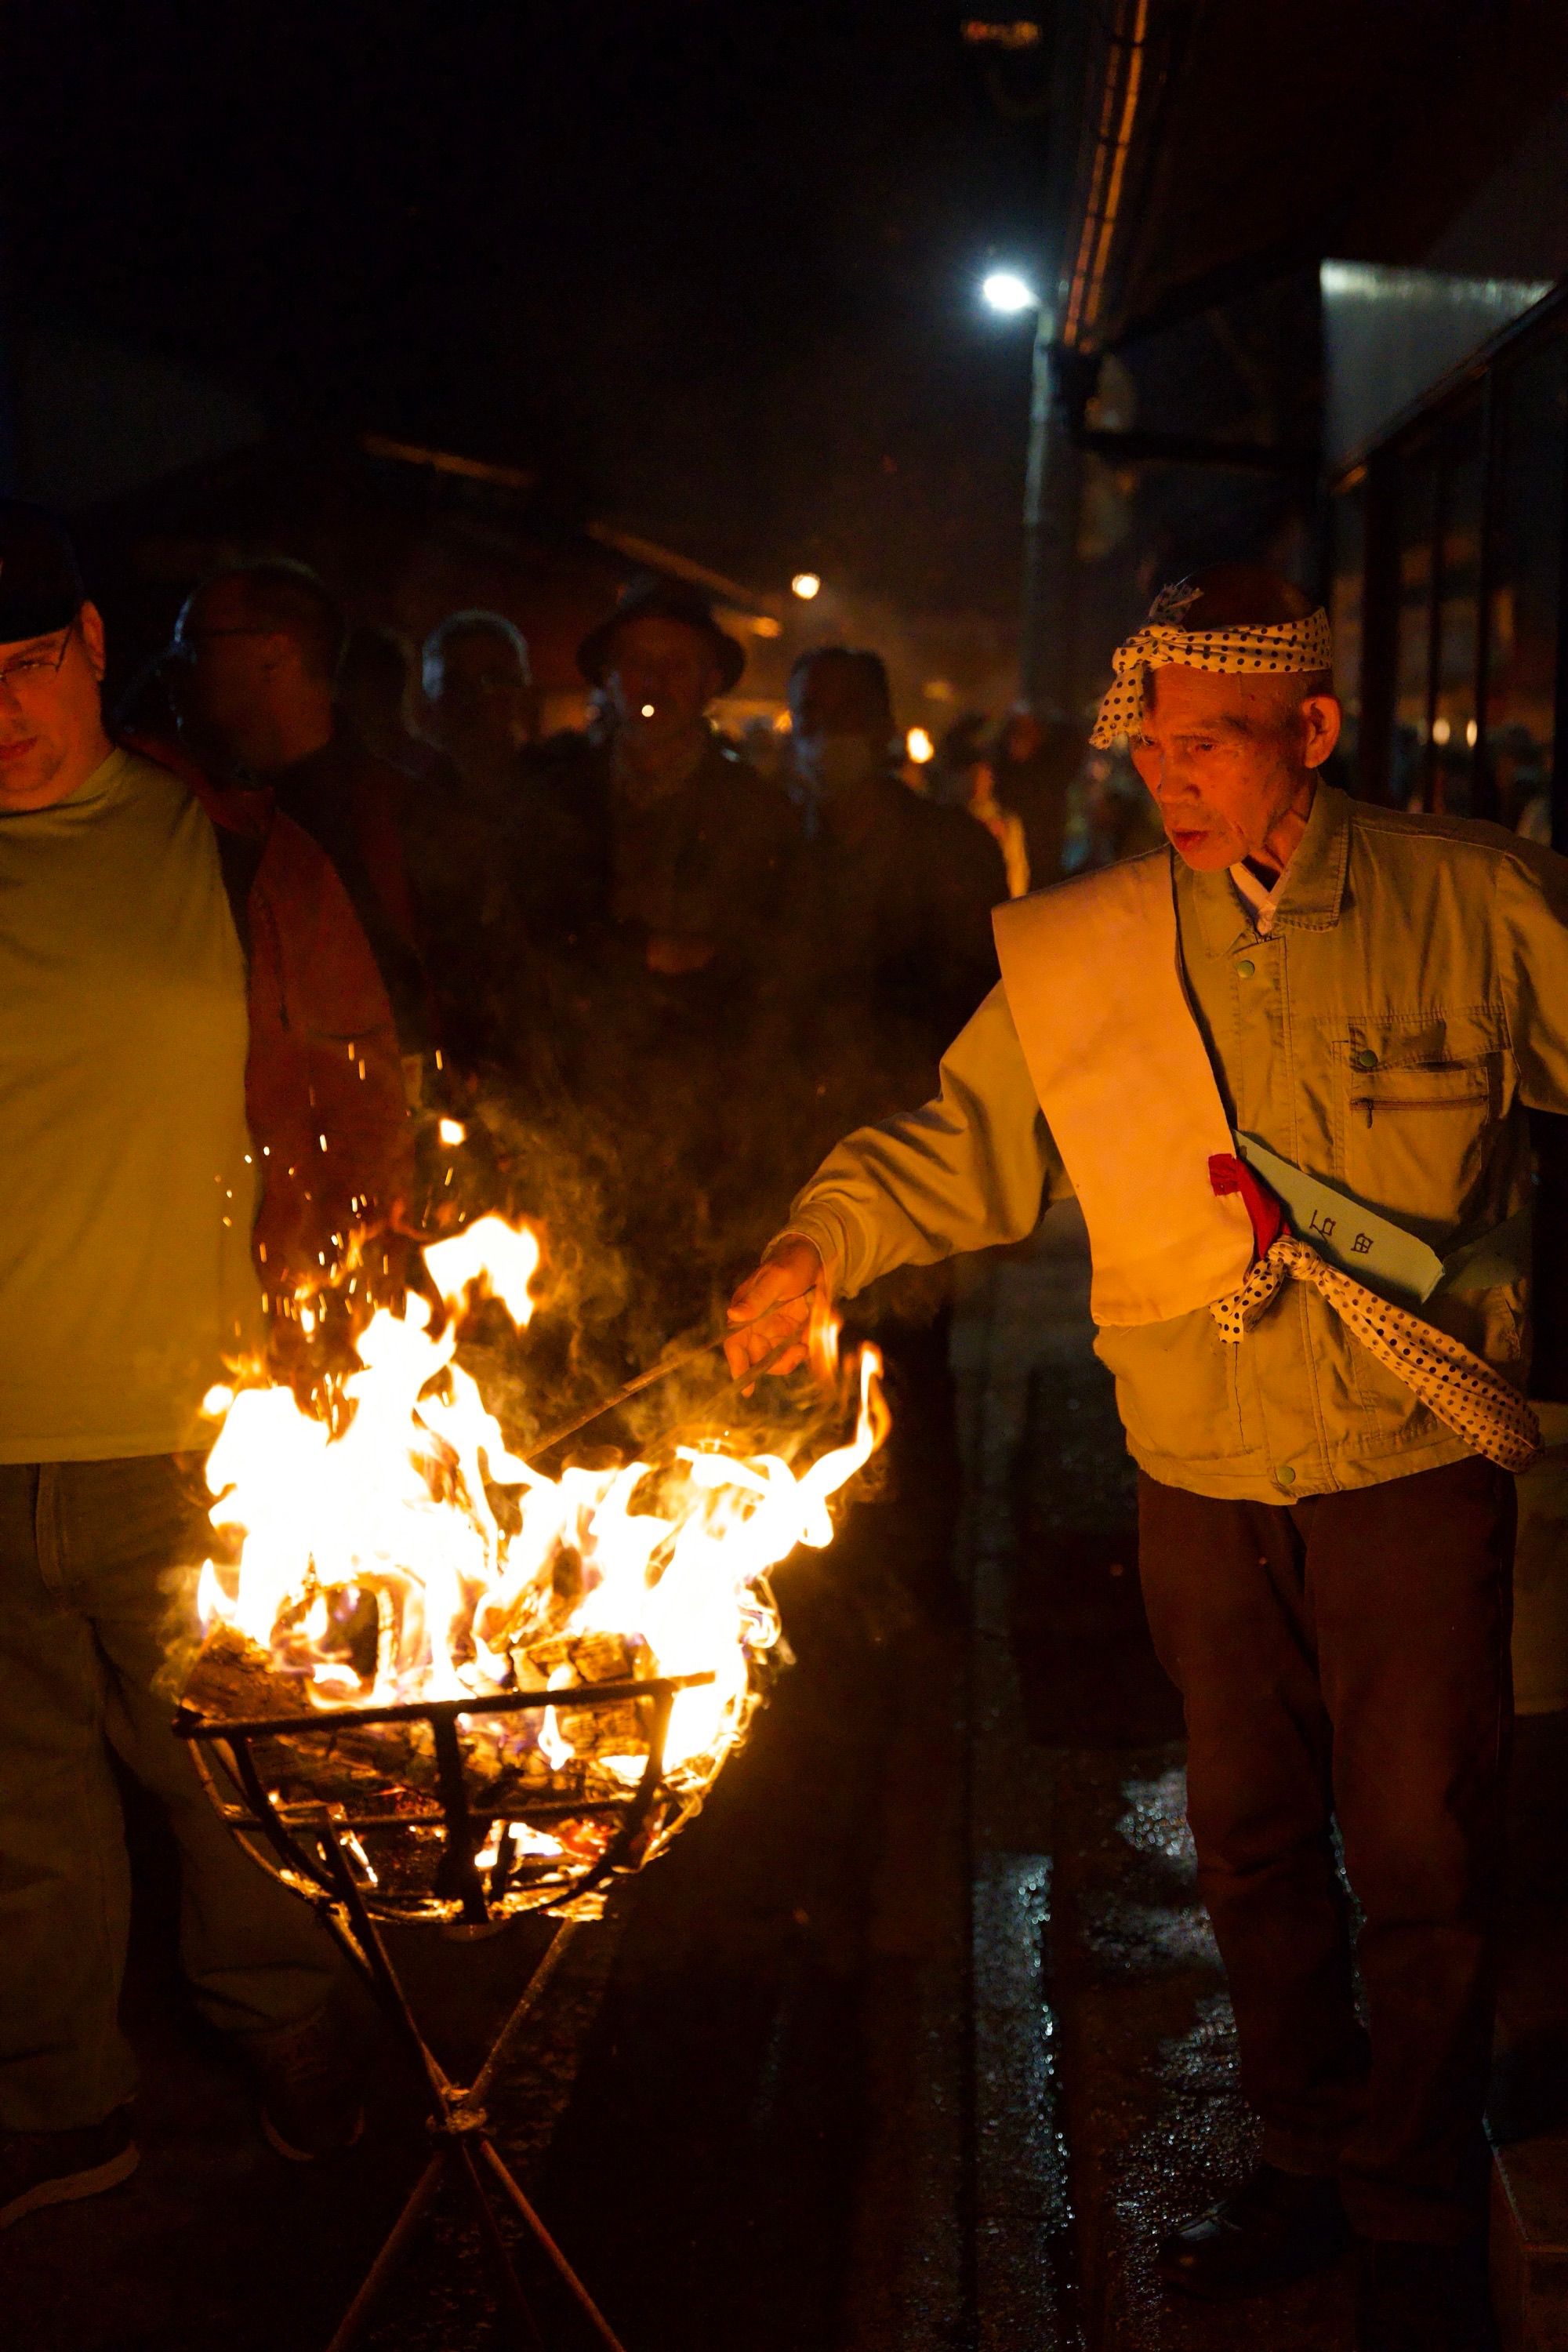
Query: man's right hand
column 792, row 1282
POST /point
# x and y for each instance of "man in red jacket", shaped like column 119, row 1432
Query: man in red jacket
column 200, row 1099
column 255, row 663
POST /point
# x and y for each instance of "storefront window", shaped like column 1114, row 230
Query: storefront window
column 1452, row 760
column 1345, row 597
column 1527, row 560
column 1418, row 529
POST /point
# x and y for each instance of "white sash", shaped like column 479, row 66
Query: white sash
column 1093, row 978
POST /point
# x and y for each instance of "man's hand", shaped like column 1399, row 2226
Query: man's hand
column 791, row 1281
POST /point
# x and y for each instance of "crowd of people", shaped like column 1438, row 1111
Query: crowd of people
column 636, row 935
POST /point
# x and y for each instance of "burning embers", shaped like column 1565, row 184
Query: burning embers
column 396, row 1551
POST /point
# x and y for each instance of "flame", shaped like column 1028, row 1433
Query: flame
column 487, row 1260
column 387, row 1515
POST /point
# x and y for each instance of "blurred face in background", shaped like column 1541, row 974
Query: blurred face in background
column 660, row 677
column 1023, row 736
column 233, row 678
column 481, row 700
column 842, row 725
column 51, row 718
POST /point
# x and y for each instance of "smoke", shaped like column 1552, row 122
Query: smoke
column 633, row 1275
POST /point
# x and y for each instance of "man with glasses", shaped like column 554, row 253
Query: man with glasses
column 199, row 1091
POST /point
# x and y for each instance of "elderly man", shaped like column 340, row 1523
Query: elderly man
column 199, row 1094
column 1285, row 1063
column 256, row 656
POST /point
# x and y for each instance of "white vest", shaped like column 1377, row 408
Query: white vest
column 1092, row 971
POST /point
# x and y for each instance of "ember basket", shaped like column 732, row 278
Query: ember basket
column 425, row 1811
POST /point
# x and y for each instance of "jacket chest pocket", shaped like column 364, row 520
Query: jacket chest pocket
column 1417, row 1134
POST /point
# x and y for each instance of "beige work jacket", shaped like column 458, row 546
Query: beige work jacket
column 1408, row 1007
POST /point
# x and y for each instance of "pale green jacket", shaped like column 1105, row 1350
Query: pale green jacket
column 1408, row 1007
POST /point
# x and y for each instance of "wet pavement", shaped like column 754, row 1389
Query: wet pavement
column 1135, row 2120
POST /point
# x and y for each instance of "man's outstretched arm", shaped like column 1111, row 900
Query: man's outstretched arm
column 972, row 1169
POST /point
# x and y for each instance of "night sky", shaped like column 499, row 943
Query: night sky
column 710, row 265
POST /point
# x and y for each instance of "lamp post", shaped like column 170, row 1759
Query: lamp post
column 1007, row 293
column 1052, row 485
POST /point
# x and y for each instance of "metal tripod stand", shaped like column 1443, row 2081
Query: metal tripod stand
column 308, row 1842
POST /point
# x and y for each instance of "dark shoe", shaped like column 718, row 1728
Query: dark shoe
column 1278, row 2226
column 52, row 2168
column 310, row 2089
column 1423, row 2298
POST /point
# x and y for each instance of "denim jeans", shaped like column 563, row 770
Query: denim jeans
column 99, row 1563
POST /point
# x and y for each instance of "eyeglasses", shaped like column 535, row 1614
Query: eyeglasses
column 26, row 675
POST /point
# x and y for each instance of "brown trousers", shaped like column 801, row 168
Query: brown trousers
column 1345, row 1660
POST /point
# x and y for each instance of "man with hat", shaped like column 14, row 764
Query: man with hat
column 200, row 1097
column 665, row 923
column 1285, row 1063
column 695, row 840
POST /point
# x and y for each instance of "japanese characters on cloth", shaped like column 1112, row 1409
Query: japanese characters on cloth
column 1289, row 647
column 1465, row 1394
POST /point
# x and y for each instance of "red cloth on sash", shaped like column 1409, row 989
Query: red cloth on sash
column 1229, row 1174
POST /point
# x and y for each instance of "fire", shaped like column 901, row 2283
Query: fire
column 400, row 1551
column 487, row 1260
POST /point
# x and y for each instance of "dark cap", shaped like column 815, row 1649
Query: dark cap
column 651, row 599
column 41, row 585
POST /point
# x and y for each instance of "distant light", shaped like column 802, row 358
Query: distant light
column 805, row 585
column 938, row 689
column 1441, row 730
column 452, row 1130
column 764, row 626
column 1472, row 733
column 1014, row 33
column 919, row 746
column 647, row 710
column 1008, row 293
column 783, row 723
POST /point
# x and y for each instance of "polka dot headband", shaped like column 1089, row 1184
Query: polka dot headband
column 1291, row 647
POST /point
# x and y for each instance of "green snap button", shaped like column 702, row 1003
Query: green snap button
column 1285, row 1475
column 1246, row 967
column 1363, row 1058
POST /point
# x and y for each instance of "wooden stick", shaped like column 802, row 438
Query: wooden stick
column 632, row 1388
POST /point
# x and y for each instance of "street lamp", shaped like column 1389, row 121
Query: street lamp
column 805, row 585
column 1008, row 294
